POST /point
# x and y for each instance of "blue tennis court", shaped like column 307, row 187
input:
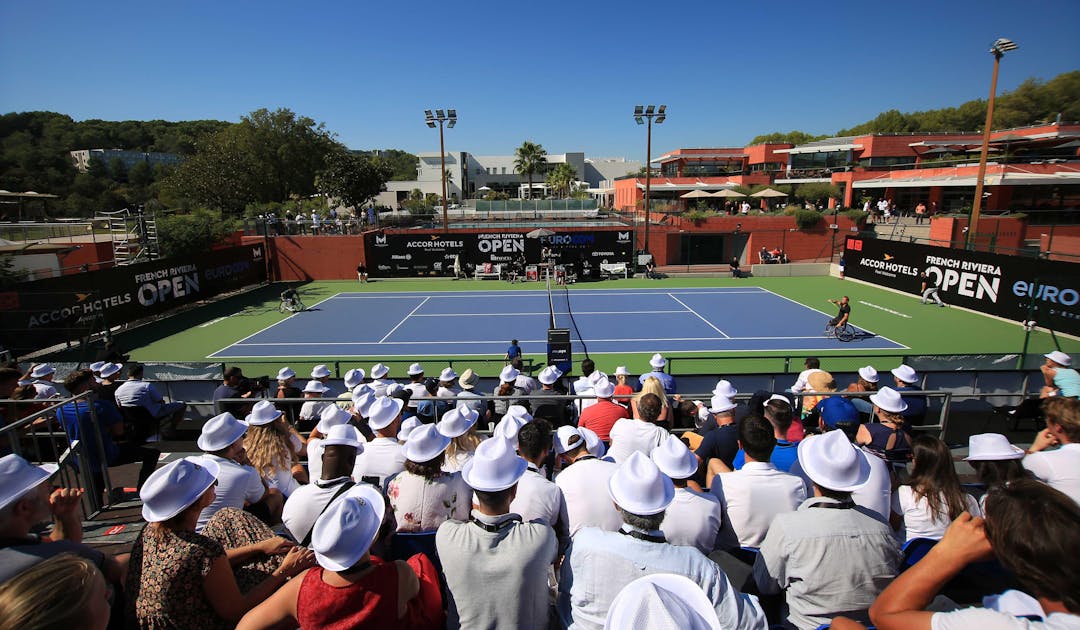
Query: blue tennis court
column 452, row 323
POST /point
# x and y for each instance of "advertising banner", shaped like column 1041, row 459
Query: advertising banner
column 42, row 313
column 1015, row 288
column 434, row 254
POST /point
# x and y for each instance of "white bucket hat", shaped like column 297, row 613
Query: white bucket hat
column 549, row 375
column 593, row 444
column 597, row 377
column 639, row 487
column 604, row 389
column 383, row 411
column 346, row 530
column 622, row 371
column 662, row 600
column 354, row 377
column 264, row 412
column 97, row 365
column 1059, row 357
column 315, row 387
column 379, row 370
column 42, row 370
column 362, row 403
column 518, row 411
column 832, row 462
column 457, row 422
column 888, row 399
column 658, row 361
column 172, row 488
column 674, row 459
column 986, row 447
column 494, row 467
column 286, row 373
column 415, row 370
column 320, row 371
column 110, row 368
column 509, row 374
column 724, row 388
column 508, row 427
column 868, row 374
column 18, row 476
column 425, row 444
column 720, row 404
column 468, row 379
column 448, row 374
column 567, row 438
column 220, row 432
column 408, row 425
column 905, row 373
column 330, row 417
column 360, row 390
column 344, row 435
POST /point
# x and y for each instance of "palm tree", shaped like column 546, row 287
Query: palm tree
column 528, row 158
column 562, row 178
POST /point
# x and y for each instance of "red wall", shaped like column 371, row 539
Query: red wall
column 95, row 255
column 313, row 257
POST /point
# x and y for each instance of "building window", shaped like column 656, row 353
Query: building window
column 504, row 170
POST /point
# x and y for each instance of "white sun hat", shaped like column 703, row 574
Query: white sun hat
column 344, row 435
column 220, row 432
column 1059, row 357
column 379, row 370
column 988, row 447
column 425, row 444
column 622, row 371
column 658, row 361
column 97, row 365
column 549, row 375
column 172, row 488
column 888, row 399
column 360, row 390
column 724, row 388
column 315, row 387
column 354, row 377
column 110, row 368
column 18, row 476
column 415, row 370
column 832, row 462
column 604, row 389
column 455, row 422
column 518, row 411
column 383, row 411
column 330, row 417
column 42, row 370
column 346, row 530
column 674, row 459
column 593, row 444
column 448, row 374
column 567, row 438
column 662, row 601
column 285, row 373
column 905, row 373
column 494, row 467
column 720, row 404
column 264, row 412
column 408, row 425
column 320, row 371
column 508, row 427
column 597, row 377
column 468, row 379
column 362, row 403
column 868, row 374
column 509, row 374
column 639, row 487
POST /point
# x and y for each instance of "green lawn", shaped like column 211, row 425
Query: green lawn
column 195, row 334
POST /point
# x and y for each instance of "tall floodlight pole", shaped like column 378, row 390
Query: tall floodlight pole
column 643, row 113
column 998, row 50
column 449, row 117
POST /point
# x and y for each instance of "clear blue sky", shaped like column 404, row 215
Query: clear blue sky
column 564, row 74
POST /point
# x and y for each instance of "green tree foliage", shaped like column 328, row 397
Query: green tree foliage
column 194, row 232
column 402, row 164
column 561, row 179
column 353, row 178
column 529, row 158
column 817, row 191
column 790, row 137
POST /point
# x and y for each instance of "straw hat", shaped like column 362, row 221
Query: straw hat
column 821, row 381
column 468, row 379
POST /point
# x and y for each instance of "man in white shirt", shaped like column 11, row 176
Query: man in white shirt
column 322, row 374
column 353, row 379
column 693, row 519
column 382, row 457
column 1060, row 468
column 446, row 384
column 135, row 392
column 537, row 498
column 584, row 385
column 584, row 484
column 238, row 484
column 811, row 365
column 43, row 375
column 380, row 382
column 638, row 434
column 415, row 385
column 306, row 503
column 312, row 407
column 753, row 495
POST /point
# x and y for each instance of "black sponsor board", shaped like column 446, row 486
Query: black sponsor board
column 42, row 313
column 995, row 284
column 434, row 254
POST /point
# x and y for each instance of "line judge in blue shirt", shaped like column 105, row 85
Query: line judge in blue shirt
column 668, row 381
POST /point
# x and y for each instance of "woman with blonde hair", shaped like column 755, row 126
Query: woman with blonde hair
column 66, row 591
column 273, row 448
column 460, row 426
column 652, row 385
column 623, row 390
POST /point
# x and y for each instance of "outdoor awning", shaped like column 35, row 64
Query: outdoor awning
column 821, row 148
column 684, row 187
column 698, row 156
column 1009, row 179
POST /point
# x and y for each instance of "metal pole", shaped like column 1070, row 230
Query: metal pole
column 648, row 179
column 442, row 159
column 973, row 223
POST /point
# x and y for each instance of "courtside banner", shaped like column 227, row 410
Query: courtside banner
column 421, row 254
column 996, row 284
column 42, row 313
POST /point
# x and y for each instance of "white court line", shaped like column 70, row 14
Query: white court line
column 690, row 310
column 519, row 314
column 404, row 319
column 501, row 294
column 236, row 343
column 214, row 321
column 501, row 343
column 902, row 346
column 887, row 310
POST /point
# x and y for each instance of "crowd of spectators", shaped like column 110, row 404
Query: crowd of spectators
column 385, row 506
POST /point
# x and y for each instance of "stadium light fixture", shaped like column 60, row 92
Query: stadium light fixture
column 998, row 50
column 657, row 115
column 449, row 118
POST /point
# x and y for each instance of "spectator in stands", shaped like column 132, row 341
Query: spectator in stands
column 460, row 426
column 537, row 498
column 931, row 498
column 995, row 461
column 505, row 393
column 523, row 381
column 825, row 574
column 286, row 388
column 778, row 413
column 834, row 412
column 661, row 601
column 313, row 406
column 653, row 386
column 867, row 382
column 66, row 591
column 600, row 563
column 810, row 365
column 97, row 431
column 887, row 437
column 379, row 382
column 603, row 415
column 752, row 496
column 508, row 588
column 640, row 433
column 583, row 386
column 135, row 392
column 694, row 519
column 446, row 384
column 1031, row 529
column 820, row 381
column 273, row 448
column 623, row 390
column 337, row 458
column 906, row 379
column 583, row 482
column 41, row 377
column 382, row 457
column 1058, row 467
column 108, row 380
column 471, row 398
column 331, row 416
column 178, row 578
column 238, row 483
column 423, row 496
column 720, row 443
column 353, row 379
column 1061, row 379
column 322, row 374
column 233, row 387
column 668, row 381
column 416, row 383
column 554, row 410
column 515, row 418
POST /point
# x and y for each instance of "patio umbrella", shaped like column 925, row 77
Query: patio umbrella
column 727, row 193
column 695, row 194
column 483, row 189
column 539, row 233
column 769, row 192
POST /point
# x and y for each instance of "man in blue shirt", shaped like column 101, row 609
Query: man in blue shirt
column 96, row 432
column 668, row 381
column 779, row 415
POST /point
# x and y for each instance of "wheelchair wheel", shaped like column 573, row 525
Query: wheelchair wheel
column 845, row 333
column 281, row 307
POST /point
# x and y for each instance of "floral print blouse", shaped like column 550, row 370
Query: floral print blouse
column 423, row 503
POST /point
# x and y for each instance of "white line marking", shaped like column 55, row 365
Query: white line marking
column 902, row 346
column 519, row 314
column 690, row 310
column 405, row 319
column 214, row 321
column 502, row 294
column 887, row 310
column 500, row 343
column 236, row 343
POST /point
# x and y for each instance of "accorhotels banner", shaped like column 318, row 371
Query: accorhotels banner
column 45, row 312
column 428, row 254
column 996, row 284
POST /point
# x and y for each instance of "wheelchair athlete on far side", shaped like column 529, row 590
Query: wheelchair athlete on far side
column 290, row 301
